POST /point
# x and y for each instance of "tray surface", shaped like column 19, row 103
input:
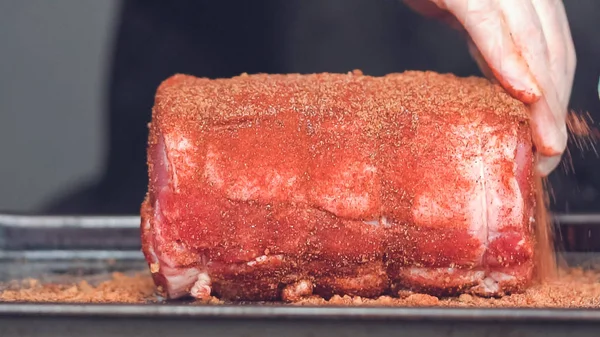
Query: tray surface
column 73, row 249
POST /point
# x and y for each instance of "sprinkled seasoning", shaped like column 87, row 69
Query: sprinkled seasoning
column 573, row 288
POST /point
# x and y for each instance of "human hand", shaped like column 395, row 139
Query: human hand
column 526, row 46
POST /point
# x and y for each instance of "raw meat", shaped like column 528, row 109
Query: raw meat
column 268, row 187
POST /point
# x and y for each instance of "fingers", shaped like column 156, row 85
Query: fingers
column 527, row 47
column 490, row 32
column 525, row 31
column 549, row 130
column 548, row 114
column 480, row 60
column 511, row 36
column 545, row 165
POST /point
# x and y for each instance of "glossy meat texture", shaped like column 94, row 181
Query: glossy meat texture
column 269, row 187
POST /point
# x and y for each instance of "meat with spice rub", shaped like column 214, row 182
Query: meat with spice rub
column 278, row 187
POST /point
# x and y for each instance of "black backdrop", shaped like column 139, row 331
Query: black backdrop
column 156, row 39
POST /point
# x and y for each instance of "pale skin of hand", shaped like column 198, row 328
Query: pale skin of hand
column 525, row 46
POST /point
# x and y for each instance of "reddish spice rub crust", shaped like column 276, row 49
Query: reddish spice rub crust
column 305, row 127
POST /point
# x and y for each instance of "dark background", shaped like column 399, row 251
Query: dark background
column 155, row 39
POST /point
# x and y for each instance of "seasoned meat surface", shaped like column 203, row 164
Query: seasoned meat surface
column 267, row 187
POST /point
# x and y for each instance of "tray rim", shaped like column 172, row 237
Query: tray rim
column 319, row 313
column 270, row 311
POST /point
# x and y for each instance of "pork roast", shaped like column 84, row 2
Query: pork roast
column 269, row 187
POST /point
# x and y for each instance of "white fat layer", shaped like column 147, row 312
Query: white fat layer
column 211, row 169
column 264, row 259
column 487, row 283
column 160, row 241
column 180, row 280
column 501, row 150
column 177, row 151
column 493, row 236
column 429, row 273
column 340, row 195
column 158, row 236
column 469, row 202
column 201, row 288
column 303, row 287
column 382, row 221
column 336, row 196
column 150, row 245
column 480, row 155
column 491, row 283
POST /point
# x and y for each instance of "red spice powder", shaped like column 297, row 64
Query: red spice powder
column 572, row 288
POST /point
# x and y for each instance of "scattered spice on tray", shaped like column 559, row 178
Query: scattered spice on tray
column 574, row 288
column 119, row 288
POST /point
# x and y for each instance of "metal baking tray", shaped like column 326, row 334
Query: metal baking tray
column 52, row 247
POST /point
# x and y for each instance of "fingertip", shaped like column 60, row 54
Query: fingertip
column 548, row 123
column 545, row 165
column 522, row 88
column 494, row 47
column 549, row 141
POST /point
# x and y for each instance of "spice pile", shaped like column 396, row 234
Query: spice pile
column 119, row 288
column 574, row 288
